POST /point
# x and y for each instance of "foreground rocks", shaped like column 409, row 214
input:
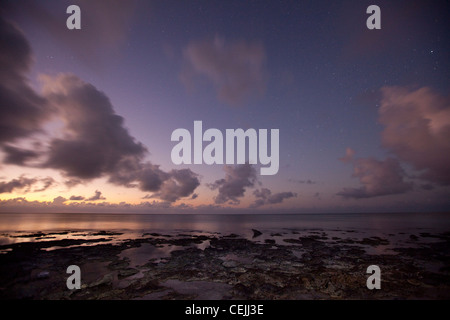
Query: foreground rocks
column 293, row 265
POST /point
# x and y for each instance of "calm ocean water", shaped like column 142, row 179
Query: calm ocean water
column 224, row 223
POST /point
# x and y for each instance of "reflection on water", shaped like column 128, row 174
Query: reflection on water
column 32, row 222
column 141, row 255
column 395, row 230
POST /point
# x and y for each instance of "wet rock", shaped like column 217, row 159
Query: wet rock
column 374, row 241
column 123, row 273
column 106, row 280
column 230, row 264
column 31, row 235
column 256, row 233
column 43, row 275
column 292, row 241
column 118, row 264
column 107, row 233
column 232, row 235
column 304, row 267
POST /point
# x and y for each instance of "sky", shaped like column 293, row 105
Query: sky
column 87, row 115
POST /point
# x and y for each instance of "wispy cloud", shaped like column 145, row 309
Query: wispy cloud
column 265, row 196
column 25, row 184
column 104, row 24
column 236, row 68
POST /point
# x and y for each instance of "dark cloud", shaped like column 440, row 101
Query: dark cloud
column 18, row 156
column 39, row 184
column 93, row 142
column 46, row 183
column 98, row 144
column 265, row 196
column 176, row 184
column 72, row 182
column 378, row 178
column 76, row 198
column 427, row 186
column 232, row 187
column 417, row 130
column 237, row 69
column 22, row 111
column 181, row 183
column 96, row 196
column 19, row 183
column 308, row 181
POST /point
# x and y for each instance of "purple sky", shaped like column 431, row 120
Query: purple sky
column 86, row 116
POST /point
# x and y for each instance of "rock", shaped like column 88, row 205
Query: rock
column 106, row 280
column 43, row 275
column 256, row 233
column 230, row 264
column 292, row 240
column 107, row 233
column 232, row 235
column 127, row 272
column 239, row 270
column 118, row 264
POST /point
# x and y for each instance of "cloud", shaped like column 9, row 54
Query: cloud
column 76, row 198
column 265, row 196
column 237, row 69
column 18, row 156
column 181, row 183
column 93, row 141
column 61, row 204
column 26, row 183
column 58, row 201
column 176, row 184
column 72, row 182
column 22, row 111
column 232, row 187
column 46, row 183
column 96, row 196
column 417, row 130
column 378, row 178
column 96, row 143
column 104, row 24
column 19, row 183
column 308, row 181
column 349, row 154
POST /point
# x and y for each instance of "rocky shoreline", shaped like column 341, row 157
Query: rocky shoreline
column 316, row 264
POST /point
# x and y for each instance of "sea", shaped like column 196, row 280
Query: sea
column 223, row 223
column 396, row 227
